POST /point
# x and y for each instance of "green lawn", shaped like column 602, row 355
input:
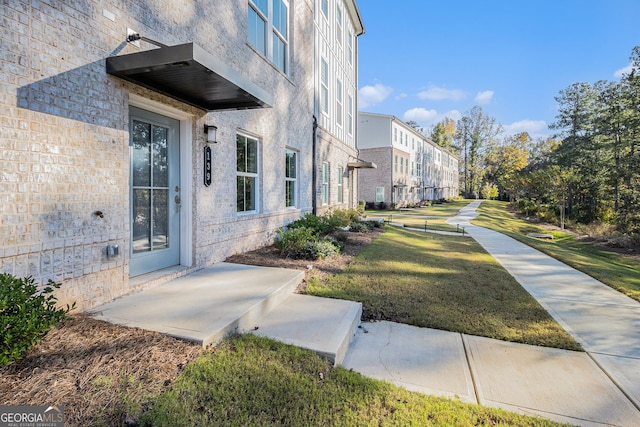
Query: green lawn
column 252, row 381
column 442, row 282
column 619, row 272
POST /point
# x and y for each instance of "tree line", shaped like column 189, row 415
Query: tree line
column 589, row 171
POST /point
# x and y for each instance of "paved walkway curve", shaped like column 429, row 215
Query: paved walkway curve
column 605, row 322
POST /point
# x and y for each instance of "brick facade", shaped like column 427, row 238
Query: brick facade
column 64, row 132
column 411, row 168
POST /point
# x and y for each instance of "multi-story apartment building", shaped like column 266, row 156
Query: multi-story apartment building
column 337, row 26
column 410, row 167
column 142, row 141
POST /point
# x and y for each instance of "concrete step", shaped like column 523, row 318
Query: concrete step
column 206, row 305
column 323, row 325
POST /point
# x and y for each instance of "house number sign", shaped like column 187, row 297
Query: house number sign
column 207, row 166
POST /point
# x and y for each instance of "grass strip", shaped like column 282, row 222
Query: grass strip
column 253, row 381
column 617, row 271
column 442, row 282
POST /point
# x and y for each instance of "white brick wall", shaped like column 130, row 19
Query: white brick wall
column 64, row 138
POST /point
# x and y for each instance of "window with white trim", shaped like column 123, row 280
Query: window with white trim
column 291, row 179
column 340, row 187
column 339, row 102
column 379, row 194
column 247, row 173
column 350, row 47
column 269, row 30
column 350, row 114
column 325, row 183
column 324, row 86
column 339, row 24
column 324, row 7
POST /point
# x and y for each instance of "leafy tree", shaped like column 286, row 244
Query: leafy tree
column 489, row 191
column 504, row 161
column 576, row 120
column 437, row 135
column 474, row 131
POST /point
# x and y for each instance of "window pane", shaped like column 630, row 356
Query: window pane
column 290, row 191
column 160, row 166
column 257, row 28
column 340, row 173
column 324, row 89
column 252, row 156
column 280, row 17
column 263, row 5
column 241, row 154
column 141, row 156
column 160, row 238
column 141, row 221
column 324, row 6
column 339, row 24
column 290, row 164
column 249, row 194
column 325, row 183
column 279, row 57
column 339, row 102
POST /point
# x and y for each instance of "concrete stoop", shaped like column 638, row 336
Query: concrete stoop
column 323, row 325
column 209, row 304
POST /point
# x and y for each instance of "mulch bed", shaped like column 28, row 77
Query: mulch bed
column 97, row 371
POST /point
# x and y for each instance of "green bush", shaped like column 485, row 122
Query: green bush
column 26, row 315
column 362, row 226
column 321, row 248
column 304, row 243
column 310, row 221
column 327, row 223
column 291, row 242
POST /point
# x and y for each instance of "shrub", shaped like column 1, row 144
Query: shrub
column 341, row 218
column 26, row 315
column 291, row 242
column 310, row 221
column 321, row 248
column 362, row 226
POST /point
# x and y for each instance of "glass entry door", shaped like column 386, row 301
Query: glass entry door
column 155, row 192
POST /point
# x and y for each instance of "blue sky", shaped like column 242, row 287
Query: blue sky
column 424, row 60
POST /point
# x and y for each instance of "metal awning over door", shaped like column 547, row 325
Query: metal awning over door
column 192, row 75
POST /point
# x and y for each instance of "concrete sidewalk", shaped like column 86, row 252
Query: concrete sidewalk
column 561, row 385
column 604, row 321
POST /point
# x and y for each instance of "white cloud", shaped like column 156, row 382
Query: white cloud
column 439, row 93
column 420, row 115
column 625, row 70
column 484, row 97
column 372, row 95
column 428, row 118
column 454, row 115
column 535, row 128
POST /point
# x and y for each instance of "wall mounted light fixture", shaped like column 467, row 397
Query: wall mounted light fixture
column 211, row 130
